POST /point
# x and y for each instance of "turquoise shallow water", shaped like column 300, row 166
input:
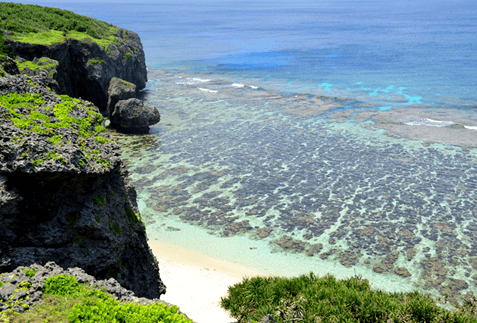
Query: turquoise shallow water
column 288, row 183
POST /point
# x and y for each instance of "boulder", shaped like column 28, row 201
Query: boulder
column 132, row 116
column 119, row 90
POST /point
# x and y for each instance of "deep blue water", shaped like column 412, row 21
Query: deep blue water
column 425, row 49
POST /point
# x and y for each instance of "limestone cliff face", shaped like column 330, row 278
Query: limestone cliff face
column 64, row 193
column 86, row 68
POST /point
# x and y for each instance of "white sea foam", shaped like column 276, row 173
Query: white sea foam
column 470, row 127
column 429, row 122
column 192, row 81
column 253, row 87
column 207, row 90
column 238, row 85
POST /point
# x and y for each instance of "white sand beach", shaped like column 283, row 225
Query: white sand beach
column 195, row 282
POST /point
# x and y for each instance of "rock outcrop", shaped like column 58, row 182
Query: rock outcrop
column 8, row 66
column 132, row 116
column 119, row 90
column 64, row 193
column 126, row 112
column 85, row 68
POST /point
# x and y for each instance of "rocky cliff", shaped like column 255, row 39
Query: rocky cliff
column 64, row 193
column 89, row 52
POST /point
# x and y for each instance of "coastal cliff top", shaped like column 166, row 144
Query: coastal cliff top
column 44, row 25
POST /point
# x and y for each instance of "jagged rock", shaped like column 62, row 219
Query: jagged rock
column 9, row 66
column 64, row 193
column 35, row 151
column 80, row 74
column 119, row 90
column 132, row 116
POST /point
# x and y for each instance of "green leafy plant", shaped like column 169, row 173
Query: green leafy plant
column 62, row 285
column 37, row 162
column 127, row 55
column 30, row 272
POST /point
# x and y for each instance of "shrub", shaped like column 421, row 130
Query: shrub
column 62, row 285
column 311, row 299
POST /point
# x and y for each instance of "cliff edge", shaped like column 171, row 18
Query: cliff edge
column 89, row 52
column 64, row 193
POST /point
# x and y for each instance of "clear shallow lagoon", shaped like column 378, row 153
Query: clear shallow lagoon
column 333, row 136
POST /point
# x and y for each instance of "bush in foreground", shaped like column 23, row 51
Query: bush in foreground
column 310, row 299
column 66, row 300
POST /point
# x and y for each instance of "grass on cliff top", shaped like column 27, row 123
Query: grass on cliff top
column 44, row 25
column 66, row 300
column 310, row 299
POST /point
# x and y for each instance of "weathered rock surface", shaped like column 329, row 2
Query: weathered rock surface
column 132, row 116
column 119, row 90
column 64, row 194
column 85, row 68
column 9, row 66
column 21, row 148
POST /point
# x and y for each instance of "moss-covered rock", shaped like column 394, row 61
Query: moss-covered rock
column 43, row 132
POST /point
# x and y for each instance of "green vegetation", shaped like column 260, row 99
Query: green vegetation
column 310, row 299
column 99, row 200
column 95, row 61
column 78, row 239
column 29, row 113
column 56, row 139
column 37, row 162
column 66, row 300
column 30, row 272
column 43, row 63
column 115, row 227
column 43, row 25
column 98, row 219
column 4, row 50
column 40, row 122
column 72, row 219
column 127, row 55
column 133, row 217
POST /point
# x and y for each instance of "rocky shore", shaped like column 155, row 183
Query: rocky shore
column 66, row 203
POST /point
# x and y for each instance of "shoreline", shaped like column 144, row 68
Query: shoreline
column 188, row 274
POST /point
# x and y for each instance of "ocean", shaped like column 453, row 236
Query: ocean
column 328, row 136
